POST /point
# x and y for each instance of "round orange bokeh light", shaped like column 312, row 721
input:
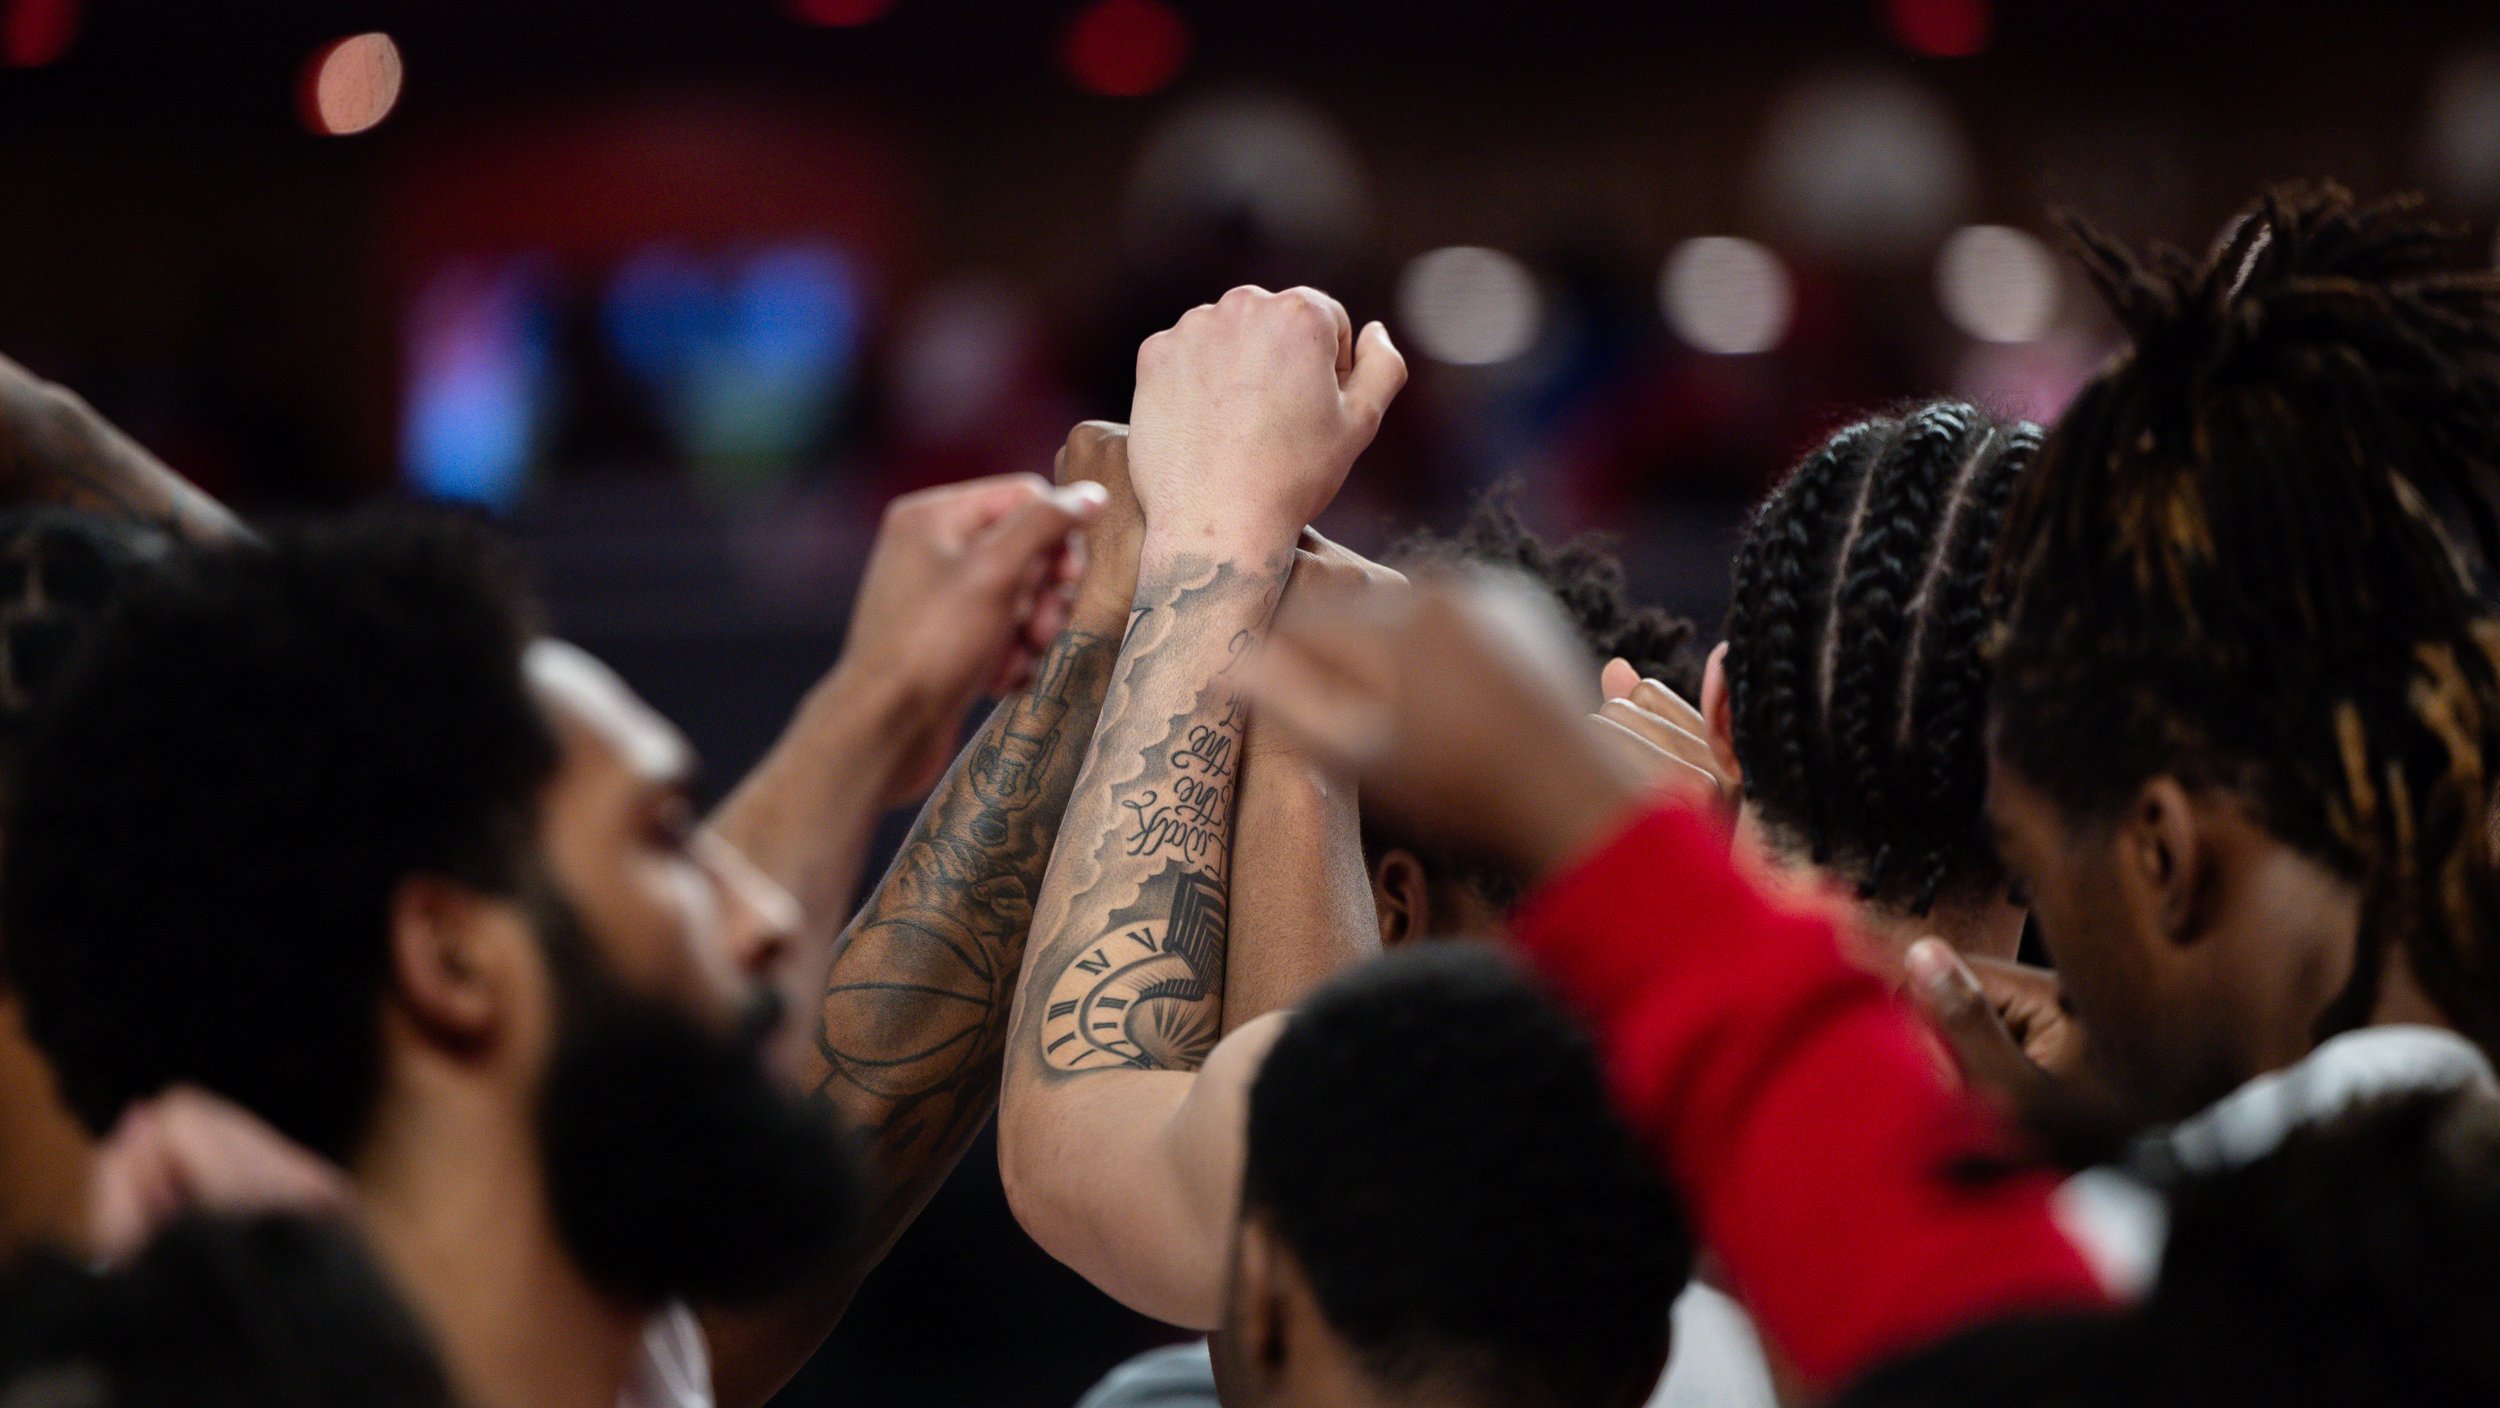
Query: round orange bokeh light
column 351, row 84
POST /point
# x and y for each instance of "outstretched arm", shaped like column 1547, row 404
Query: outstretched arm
column 1116, row 1158
column 911, row 1005
column 55, row 449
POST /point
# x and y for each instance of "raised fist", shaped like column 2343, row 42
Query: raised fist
column 1249, row 412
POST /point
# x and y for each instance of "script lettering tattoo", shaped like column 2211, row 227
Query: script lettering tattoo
column 914, row 1013
column 1131, row 972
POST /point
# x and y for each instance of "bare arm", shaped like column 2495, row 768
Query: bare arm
column 1119, row 1156
column 55, row 449
column 1124, row 987
column 1302, row 907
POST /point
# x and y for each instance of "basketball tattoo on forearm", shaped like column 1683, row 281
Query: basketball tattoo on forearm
column 915, row 1009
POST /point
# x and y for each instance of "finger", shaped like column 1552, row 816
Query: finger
column 1020, row 539
column 227, row 1158
column 1656, row 769
column 1669, row 705
column 1379, row 372
column 1618, row 679
column 1087, row 450
column 1337, row 318
column 2024, row 998
column 956, row 512
column 1945, row 987
column 1660, row 734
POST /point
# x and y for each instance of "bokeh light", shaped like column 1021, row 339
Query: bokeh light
column 2464, row 135
column 1940, row 29
column 839, row 14
column 1270, row 161
column 1125, row 48
column 1863, row 167
column 1997, row 283
column 351, row 84
column 1469, row 306
column 1726, row 295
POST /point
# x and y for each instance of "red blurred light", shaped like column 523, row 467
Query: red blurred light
column 1940, row 29
column 1125, row 48
column 36, row 32
column 839, row 14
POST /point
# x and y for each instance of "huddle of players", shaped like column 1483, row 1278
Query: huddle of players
column 333, row 887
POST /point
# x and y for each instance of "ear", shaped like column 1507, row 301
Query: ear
column 1716, row 718
column 2166, row 851
column 1263, row 1320
column 451, row 959
column 1401, row 896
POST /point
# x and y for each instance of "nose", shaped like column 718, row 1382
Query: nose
column 759, row 919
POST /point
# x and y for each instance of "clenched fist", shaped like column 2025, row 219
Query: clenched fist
column 1248, row 414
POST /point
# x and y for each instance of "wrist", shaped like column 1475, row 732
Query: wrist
column 1557, row 809
column 861, row 721
column 1235, row 540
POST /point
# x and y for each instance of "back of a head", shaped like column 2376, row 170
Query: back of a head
column 271, row 1312
column 221, row 795
column 1585, row 575
column 2226, row 567
column 1857, row 679
column 1431, row 1140
column 2358, row 1263
column 59, row 567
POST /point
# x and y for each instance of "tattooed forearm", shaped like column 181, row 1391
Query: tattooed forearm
column 914, row 1011
column 1128, row 971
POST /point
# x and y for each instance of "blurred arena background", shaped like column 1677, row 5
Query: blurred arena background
column 685, row 290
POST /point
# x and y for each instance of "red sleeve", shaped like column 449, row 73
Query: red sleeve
column 1813, row 1137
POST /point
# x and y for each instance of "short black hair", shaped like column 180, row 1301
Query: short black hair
column 224, row 790
column 1431, row 1139
column 2226, row 567
column 1857, row 624
column 1588, row 581
column 2357, row 1263
column 270, row 1312
column 59, row 567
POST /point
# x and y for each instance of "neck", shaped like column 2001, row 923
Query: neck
column 1985, row 929
column 457, row 1208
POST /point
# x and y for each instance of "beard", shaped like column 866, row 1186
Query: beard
column 677, row 1169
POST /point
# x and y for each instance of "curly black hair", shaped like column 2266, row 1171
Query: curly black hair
column 59, row 567
column 1857, row 621
column 267, row 1312
column 1584, row 574
column 220, row 796
column 2226, row 567
column 1431, row 1139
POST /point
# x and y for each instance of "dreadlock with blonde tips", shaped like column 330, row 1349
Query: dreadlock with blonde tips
column 2228, row 567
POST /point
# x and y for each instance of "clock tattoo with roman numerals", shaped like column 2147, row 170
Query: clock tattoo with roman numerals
column 1138, row 997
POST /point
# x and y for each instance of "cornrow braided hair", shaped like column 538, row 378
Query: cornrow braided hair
column 2227, row 567
column 1856, row 671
